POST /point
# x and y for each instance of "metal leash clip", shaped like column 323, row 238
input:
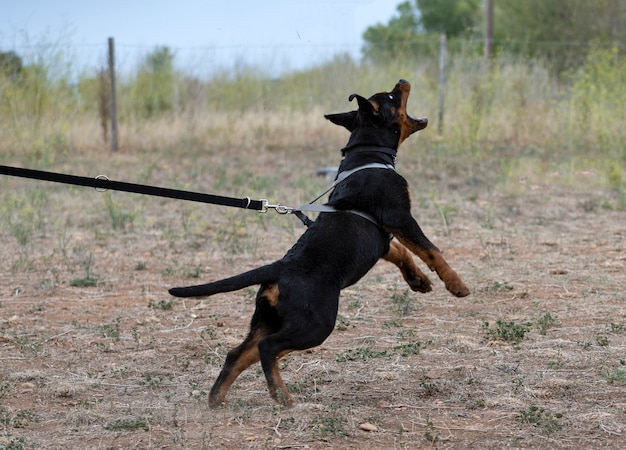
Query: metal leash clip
column 280, row 209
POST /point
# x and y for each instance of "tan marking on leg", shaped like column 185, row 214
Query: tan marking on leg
column 248, row 357
column 276, row 386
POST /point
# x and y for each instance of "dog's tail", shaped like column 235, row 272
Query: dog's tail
column 265, row 274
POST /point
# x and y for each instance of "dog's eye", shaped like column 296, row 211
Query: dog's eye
column 390, row 96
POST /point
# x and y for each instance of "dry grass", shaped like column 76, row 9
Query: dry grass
column 94, row 353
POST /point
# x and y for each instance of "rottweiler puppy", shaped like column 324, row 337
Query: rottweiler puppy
column 298, row 300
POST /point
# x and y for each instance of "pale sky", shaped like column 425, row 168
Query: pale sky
column 278, row 34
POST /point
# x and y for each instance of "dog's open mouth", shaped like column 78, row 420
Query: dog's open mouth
column 408, row 124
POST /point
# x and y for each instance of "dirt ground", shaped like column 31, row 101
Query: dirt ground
column 94, row 354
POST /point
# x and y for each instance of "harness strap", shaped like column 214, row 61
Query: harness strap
column 331, row 209
column 346, row 173
column 309, row 206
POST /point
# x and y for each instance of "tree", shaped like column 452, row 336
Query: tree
column 154, row 85
column 410, row 32
column 452, row 17
column 559, row 31
column 10, row 65
column 394, row 39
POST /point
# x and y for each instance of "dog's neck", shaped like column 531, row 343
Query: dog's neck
column 366, row 154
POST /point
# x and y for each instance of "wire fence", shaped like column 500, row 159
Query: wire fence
column 203, row 61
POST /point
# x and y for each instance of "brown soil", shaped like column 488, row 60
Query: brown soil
column 120, row 364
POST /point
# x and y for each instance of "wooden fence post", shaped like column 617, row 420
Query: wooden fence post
column 112, row 100
column 442, row 79
column 488, row 52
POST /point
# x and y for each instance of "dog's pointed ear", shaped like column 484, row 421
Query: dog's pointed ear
column 365, row 106
column 346, row 120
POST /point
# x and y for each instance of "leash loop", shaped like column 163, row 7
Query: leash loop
column 104, row 178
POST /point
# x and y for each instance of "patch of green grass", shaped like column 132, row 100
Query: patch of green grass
column 10, row 442
column 541, row 418
column 325, row 427
column 109, row 330
column 412, row 348
column 87, row 281
column 152, row 381
column 165, row 305
column 19, row 419
column 510, row 332
column 361, row 354
column 25, row 344
column 496, row 286
column 127, row 425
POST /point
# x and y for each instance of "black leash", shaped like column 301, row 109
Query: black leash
column 101, row 182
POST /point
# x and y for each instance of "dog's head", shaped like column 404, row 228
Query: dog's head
column 381, row 119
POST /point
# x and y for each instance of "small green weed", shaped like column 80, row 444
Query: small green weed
column 430, row 435
column 616, row 376
column 510, row 332
column 545, row 322
column 110, row 330
column 120, row 220
column 541, row 418
column 25, row 344
column 4, row 390
column 342, row 323
column 602, row 341
column 618, row 327
column 89, row 280
column 403, row 302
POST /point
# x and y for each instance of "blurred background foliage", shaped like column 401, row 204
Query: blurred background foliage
column 555, row 88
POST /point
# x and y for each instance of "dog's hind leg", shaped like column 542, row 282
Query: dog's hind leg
column 416, row 279
column 274, row 347
column 247, row 353
column 301, row 329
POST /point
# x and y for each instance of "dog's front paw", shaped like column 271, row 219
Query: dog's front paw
column 420, row 284
column 458, row 288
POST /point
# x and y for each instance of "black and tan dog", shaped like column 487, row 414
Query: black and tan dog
column 296, row 306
